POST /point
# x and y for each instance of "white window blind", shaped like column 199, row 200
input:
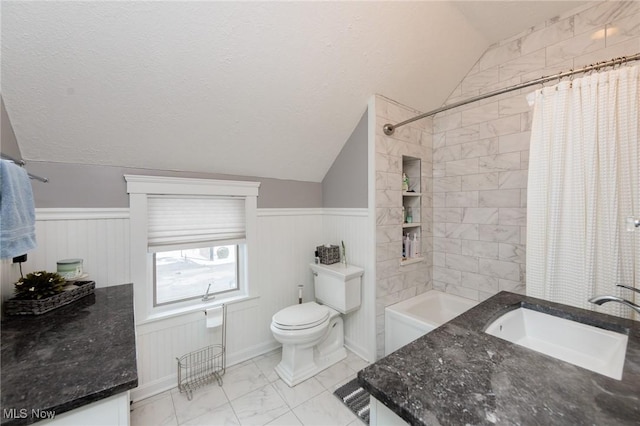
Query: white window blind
column 185, row 221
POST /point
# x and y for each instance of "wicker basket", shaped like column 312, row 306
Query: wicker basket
column 328, row 255
column 40, row 306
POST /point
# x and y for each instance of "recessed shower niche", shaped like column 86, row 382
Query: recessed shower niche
column 411, row 211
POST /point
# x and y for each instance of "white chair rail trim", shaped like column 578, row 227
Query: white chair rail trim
column 82, row 213
column 312, row 211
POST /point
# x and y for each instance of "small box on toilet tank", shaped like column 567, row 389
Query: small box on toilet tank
column 338, row 286
column 328, row 254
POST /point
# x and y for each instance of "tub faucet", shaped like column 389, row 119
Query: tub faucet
column 628, row 288
column 599, row 300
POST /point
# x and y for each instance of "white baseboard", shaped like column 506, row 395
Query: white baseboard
column 252, row 352
column 358, row 350
column 154, row 388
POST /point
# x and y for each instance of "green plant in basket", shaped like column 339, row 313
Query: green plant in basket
column 39, row 285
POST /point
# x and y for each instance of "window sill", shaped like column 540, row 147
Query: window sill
column 199, row 307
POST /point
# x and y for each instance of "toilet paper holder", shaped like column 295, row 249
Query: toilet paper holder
column 215, row 316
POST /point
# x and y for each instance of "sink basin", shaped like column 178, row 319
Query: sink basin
column 593, row 348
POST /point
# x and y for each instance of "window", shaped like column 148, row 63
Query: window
column 190, row 273
column 190, row 237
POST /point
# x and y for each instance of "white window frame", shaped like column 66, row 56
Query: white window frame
column 139, row 187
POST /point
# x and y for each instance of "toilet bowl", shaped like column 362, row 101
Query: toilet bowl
column 312, row 334
column 312, row 338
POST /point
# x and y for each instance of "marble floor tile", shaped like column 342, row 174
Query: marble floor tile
column 288, row 419
column 204, row 399
column 149, row 400
column 258, row 397
column 260, row 406
column 324, row 409
column 344, row 381
column 242, row 380
column 159, row 412
column 354, row 362
column 222, row 415
column 267, row 363
column 334, row 374
column 300, row 393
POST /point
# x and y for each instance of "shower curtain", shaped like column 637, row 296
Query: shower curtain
column 583, row 184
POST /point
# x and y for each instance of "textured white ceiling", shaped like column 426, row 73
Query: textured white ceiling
column 497, row 20
column 269, row 89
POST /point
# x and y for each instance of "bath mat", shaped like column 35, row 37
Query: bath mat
column 355, row 398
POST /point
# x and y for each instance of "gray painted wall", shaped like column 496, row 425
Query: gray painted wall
column 84, row 185
column 345, row 184
column 8, row 142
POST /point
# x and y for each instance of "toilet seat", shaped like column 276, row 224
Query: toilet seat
column 301, row 317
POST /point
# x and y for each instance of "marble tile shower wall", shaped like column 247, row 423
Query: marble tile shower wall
column 395, row 283
column 481, row 151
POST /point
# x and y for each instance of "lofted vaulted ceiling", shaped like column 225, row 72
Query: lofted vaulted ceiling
column 270, row 89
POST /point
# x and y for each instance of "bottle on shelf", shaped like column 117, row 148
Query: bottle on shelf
column 405, row 182
column 407, row 247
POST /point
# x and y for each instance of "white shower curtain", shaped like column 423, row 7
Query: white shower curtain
column 583, row 184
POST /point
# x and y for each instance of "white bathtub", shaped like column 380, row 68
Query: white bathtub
column 406, row 321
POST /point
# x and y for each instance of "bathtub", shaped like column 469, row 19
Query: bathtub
column 406, row 321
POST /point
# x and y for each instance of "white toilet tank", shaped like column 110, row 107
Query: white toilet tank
column 338, row 286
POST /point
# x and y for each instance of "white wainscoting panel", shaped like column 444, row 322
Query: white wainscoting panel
column 159, row 345
column 98, row 236
column 351, row 226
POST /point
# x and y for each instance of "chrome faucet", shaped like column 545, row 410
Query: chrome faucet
column 628, row 288
column 599, row 300
column 206, row 294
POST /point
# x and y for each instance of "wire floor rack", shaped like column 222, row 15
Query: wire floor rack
column 203, row 366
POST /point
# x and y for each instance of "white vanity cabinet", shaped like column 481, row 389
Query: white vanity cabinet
column 380, row 415
column 112, row 411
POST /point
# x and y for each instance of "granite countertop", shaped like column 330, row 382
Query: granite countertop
column 69, row 357
column 457, row 374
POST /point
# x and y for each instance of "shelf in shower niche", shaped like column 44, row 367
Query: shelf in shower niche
column 411, row 225
column 410, row 260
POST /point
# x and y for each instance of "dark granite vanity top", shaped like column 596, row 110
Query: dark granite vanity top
column 69, row 357
column 458, row 375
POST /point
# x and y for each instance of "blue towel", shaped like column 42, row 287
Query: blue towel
column 17, row 213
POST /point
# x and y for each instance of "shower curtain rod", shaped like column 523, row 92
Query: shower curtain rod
column 390, row 128
column 21, row 163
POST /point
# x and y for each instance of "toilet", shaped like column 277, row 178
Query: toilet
column 312, row 333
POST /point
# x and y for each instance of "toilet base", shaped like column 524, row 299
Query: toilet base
column 319, row 363
column 302, row 361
